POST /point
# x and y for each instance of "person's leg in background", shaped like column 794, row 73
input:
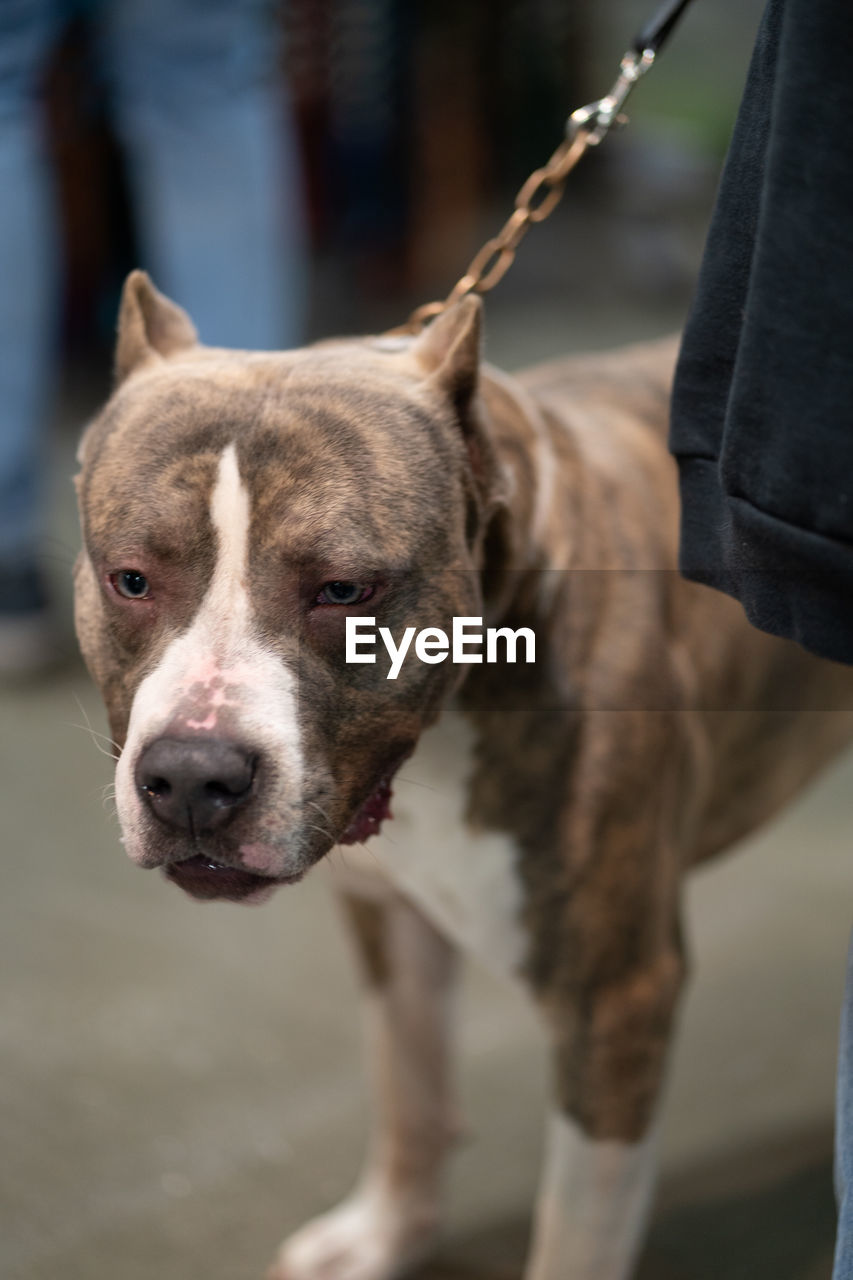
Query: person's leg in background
column 843, row 1269
column 28, row 294
column 212, row 166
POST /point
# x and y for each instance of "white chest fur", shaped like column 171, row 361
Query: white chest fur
column 466, row 882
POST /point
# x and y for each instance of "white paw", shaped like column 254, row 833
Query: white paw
column 368, row 1237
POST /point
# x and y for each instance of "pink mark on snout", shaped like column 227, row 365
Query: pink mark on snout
column 258, row 857
column 209, row 722
column 206, row 670
column 210, row 695
column 211, row 674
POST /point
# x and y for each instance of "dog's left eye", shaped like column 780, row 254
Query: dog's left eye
column 131, row 584
column 344, row 593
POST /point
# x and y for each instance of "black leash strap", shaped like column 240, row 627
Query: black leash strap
column 656, row 32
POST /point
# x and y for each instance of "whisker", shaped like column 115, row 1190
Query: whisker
column 55, row 551
column 338, row 847
column 312, row 826
column 329, row 860
column 327, row 820
column 370, row 853
column 111, row 755
column 319, row 808
column 94, row 733
column 414, row 782
column 108, row 799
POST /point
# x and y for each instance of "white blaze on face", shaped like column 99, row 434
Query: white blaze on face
column 229, row 514
column 219, row 663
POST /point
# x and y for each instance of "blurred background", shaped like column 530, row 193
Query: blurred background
column 414, row 124
column 180, row 1085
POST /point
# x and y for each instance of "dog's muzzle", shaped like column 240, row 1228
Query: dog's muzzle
column 195, row 788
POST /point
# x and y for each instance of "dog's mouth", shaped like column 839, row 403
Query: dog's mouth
column 369, row 818
column 207, row 880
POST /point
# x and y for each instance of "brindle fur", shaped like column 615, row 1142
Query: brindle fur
column 656, row 727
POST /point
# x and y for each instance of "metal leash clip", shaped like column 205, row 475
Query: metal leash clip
column 596, row 119
column 541, row 193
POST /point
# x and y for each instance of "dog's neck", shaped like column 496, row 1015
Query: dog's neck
column 528, row 539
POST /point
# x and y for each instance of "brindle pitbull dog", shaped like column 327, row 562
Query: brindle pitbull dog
column 237, row 508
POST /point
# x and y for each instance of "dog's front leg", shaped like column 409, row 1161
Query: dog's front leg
column 592, row 1205
column 391, row 1218
column 600, row 1162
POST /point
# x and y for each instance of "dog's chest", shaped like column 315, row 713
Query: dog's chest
column 465, row 881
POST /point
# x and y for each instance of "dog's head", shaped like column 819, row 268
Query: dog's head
column 236, row 508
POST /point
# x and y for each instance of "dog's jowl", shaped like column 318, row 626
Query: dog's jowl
column 239, row 510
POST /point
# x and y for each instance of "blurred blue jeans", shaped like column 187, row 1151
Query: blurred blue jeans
column 211, row 163
column 843, row 1269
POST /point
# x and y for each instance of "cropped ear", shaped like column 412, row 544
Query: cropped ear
column 149, row 326
column 448, row 351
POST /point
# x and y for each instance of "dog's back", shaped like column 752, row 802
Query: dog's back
column 768, row 715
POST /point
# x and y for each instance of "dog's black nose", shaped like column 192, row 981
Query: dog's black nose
column 195, row 785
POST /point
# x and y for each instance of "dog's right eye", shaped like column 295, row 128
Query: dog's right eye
column 131, row 584
column 344, row 593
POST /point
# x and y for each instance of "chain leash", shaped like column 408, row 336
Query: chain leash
column 586, row 127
